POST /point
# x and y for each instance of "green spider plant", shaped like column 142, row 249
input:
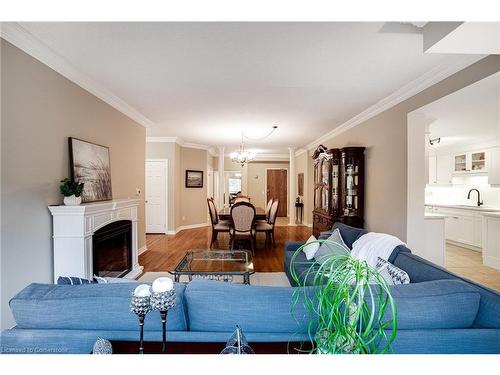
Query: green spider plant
column 352, row 310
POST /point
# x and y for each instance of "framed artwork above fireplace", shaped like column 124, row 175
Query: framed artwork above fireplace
column 89, row 163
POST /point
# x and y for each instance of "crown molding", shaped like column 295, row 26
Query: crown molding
column 182, row 143
column 27, row 42
column 300, row 151
column 162, row 139
column 425, row 81
column 267, row 157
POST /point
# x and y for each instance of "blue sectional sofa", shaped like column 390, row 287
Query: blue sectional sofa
column 481, row 335
column 437, row 313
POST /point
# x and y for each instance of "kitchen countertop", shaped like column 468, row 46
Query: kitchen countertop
column 465, row 207
column 492, row 214
column 429, row 215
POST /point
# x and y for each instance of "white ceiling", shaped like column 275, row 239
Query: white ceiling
column 205, row 82
column 468, row 116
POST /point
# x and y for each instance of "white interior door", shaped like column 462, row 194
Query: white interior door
column 156, row 196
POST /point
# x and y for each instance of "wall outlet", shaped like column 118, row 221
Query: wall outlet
column 137, row 192
column 183, row 218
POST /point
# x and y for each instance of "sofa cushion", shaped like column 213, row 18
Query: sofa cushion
column 311, row 247
column 218, row 307
column 349, row 234
column 327, row 249
column 92, row 306
column 421, row 270
column 442, row 304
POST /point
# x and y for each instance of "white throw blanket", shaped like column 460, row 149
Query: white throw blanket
column 371, row 246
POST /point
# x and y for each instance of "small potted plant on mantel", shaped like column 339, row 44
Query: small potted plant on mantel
column 72, row 192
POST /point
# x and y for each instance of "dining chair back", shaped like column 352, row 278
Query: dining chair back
column 242, row 217
column 268, row 209
column 242, row 223
column 273, row 213
column 213, row 211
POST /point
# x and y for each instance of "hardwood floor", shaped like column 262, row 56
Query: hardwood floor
column 164, row 252
column 469, row 264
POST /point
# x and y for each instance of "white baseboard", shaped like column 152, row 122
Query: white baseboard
column 492, row 262
column 184, row 227
column 461, row 244
column 143, row 249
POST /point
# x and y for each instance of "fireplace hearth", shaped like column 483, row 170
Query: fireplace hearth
column 112, row 249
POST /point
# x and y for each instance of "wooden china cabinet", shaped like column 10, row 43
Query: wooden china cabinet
column 338, row 187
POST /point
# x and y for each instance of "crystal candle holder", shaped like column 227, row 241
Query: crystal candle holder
column 163, row 301
column 140, row 305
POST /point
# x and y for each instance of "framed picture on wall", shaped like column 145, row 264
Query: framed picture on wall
column 194, row 179
column 301, row 184
column 89, row 163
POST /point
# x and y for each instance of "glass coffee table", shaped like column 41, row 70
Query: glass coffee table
column 215, row 265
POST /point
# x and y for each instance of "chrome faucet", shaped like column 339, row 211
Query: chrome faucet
column 479, row 202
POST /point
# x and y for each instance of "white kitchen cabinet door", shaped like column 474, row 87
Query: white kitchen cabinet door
column 444, row 169
column 478, row 231
column 432, row 170
column 493, row 162
column 465, row 227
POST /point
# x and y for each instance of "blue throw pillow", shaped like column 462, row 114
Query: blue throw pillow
column 65, row 280
column 327, row 249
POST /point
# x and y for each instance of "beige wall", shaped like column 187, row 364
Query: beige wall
column 193, row 201
column 185, row 206
column 384, row 136
column 256, row 180
column 40, row 110
column 303, row 164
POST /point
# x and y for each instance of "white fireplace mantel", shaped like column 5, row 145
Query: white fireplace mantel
column 73, row 228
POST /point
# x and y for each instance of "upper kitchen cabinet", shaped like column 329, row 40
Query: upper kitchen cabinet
column 441, row 170
column 470, row 163
column 494, row 166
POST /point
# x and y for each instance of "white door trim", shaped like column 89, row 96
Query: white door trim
column 165, row 163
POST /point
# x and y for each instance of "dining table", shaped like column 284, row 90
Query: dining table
column 225, row 213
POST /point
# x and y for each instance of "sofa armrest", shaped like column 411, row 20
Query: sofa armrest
column 293, row 245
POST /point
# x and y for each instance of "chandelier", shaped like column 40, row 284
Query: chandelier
column 242, row 156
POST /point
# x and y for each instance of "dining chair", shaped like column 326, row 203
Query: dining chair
column 268, row 208
column 242, row 224
column 268, row 228
column 268, row 211
column 217, row 225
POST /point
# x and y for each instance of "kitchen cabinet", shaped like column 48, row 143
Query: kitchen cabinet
column 491, row 235
column 444, row 170
column 494, row 166
column 440, row 170
column 432, row 170
column 470, row 162
column 462, row 225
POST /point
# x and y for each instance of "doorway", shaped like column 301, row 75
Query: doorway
column 277, row 188
column 156, row 195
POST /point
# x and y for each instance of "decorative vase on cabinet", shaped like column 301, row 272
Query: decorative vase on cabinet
column 338, row 187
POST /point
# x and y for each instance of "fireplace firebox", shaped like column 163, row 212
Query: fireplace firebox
column 112, row 249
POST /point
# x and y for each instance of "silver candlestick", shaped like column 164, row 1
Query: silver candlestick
column 163, row 299
column 140, row 305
